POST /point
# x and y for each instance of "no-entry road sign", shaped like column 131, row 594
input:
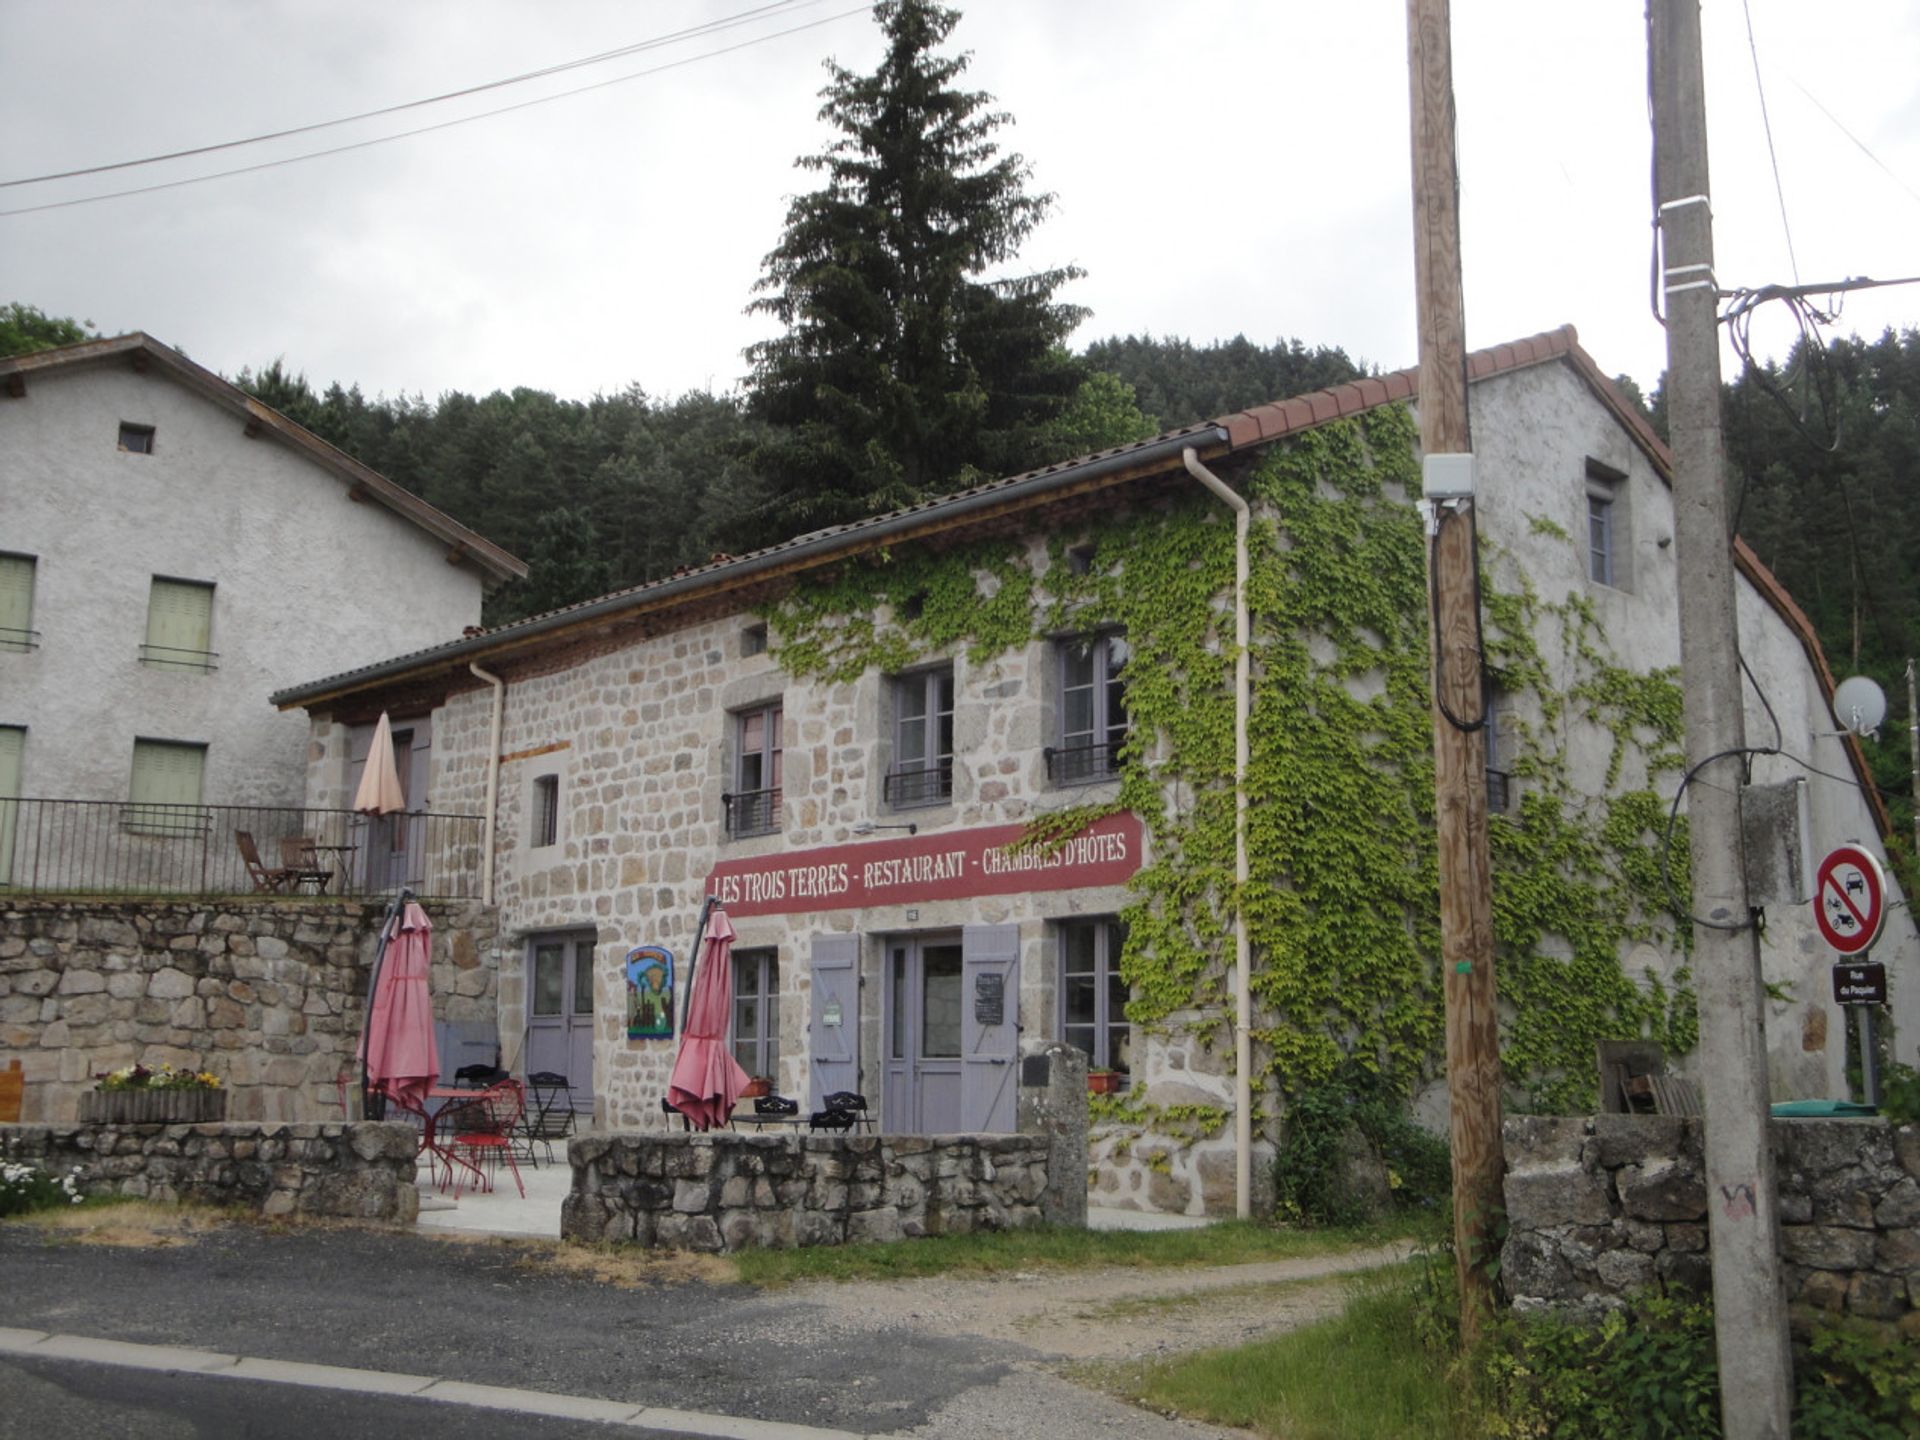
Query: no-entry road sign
column 1850, row 899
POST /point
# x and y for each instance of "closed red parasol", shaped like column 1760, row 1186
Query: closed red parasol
column 706, row 1079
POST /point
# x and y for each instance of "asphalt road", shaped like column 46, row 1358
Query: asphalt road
column 41, row 1399
column 388, row 1301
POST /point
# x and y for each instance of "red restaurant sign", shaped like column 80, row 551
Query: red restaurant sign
column 920, row 868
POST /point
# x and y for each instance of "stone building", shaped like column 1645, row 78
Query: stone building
column 171, row 552
column 961, row 775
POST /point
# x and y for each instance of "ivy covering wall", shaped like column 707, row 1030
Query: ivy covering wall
column 1343, row 899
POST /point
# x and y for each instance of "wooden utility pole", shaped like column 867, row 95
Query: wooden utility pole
column 1750, row 1311
column 1459, row 691
column 1913, row 750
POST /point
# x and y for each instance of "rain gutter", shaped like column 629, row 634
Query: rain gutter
column 798, row 552
column 1242, row 951
column 493, row 778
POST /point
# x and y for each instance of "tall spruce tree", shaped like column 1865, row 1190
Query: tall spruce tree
column 905, row 371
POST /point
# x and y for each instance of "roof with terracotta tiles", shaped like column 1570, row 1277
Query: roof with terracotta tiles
column 1223, row 435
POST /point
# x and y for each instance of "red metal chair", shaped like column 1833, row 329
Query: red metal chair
column 483, row 1133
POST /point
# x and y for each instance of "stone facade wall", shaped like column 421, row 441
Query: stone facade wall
column 267, row 994
column 1604, row 1205
column 363, row 1170
column 724, row 1192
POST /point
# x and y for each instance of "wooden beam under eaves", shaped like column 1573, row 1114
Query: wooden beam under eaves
column 357, row 493
column 253, row 427
column 17, row 386
column 456, row 554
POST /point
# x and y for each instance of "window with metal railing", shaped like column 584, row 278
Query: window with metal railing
column 922, row 769
column 753, row 805
column 1093, row 709
column 179, row 625
column 16, row 604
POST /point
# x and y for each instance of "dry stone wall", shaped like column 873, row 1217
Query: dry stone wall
column 1600, row 1206
column 363, row 1170
column 724, row 1192
column 266, row 994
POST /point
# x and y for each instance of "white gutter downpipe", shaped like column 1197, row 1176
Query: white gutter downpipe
column 1242, row 958
column 493, row 777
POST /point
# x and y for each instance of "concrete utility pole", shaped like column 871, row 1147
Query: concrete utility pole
column 1750, row 1311
column 1459, row 688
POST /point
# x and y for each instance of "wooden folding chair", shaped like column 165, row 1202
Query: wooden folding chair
column 266, row 880
column 297, row 858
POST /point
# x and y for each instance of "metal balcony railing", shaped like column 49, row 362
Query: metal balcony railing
column 172, row 657
column 919, row 785
column 752, row 812
column 1076, row 764
column 119, row 847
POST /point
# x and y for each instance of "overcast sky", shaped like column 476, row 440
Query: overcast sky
column 1221, row 167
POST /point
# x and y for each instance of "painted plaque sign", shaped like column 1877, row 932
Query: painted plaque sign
column 920, row 868
column 1849, row 899
column 649, row 970
column 1864, row 984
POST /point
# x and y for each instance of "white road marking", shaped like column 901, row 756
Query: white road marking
column 30, row 1344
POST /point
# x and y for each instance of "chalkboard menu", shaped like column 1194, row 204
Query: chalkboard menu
column 990, row 999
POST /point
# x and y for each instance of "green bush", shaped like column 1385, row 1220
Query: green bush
column 1311, row 1180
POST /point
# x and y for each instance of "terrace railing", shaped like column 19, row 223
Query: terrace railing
column 119, row 847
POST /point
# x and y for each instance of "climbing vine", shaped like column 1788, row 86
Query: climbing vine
column 1342, row 906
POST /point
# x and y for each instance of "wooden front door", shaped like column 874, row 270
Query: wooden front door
column 560, row 1011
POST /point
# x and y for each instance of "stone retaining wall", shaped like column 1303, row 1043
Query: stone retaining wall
column 1602, row 1205
column 724, row 1192
column 363, row 1170
column 266, row 993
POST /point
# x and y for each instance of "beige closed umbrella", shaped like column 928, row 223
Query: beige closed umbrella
column 380, row 792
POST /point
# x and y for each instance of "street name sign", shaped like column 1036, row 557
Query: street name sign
column 1860, row 984
column 1849, row 899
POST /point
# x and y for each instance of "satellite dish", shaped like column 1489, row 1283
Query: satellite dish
column 1859, row 705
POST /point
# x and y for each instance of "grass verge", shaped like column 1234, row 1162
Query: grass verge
column 124, row 1222
column 1362, row 1376
column 1045, row 1248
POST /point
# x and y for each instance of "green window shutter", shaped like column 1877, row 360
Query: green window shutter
column 13, row 740
column 16, row 602
column 180, row 625
column 166, row 782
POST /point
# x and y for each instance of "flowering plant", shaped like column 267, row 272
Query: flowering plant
column 159, row 1077
column 28, row 1187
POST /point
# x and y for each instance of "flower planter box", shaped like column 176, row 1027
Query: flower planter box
column 152, row 1107
column 1103, row 1082
column 756, row 1087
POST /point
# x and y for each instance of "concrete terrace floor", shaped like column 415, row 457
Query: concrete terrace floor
column 505, row 1212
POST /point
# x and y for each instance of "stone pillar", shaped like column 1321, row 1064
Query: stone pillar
column 1053, row 1103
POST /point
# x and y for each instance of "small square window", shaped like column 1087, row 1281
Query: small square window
column 546, row 810
column 753, row 641
column 1080, row 560
column 136, row 439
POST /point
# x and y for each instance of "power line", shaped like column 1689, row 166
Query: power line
column 1856, row 140
column 710, row 27
column 1773, row 158
column 429, row 129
